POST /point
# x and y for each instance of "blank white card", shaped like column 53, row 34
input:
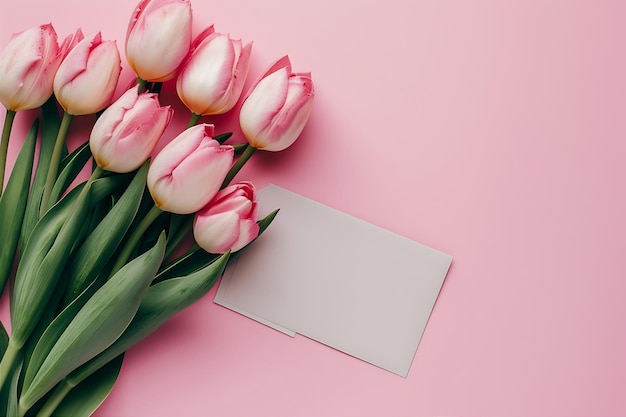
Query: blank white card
column 336, row 279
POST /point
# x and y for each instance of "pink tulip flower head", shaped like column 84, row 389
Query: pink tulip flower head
column 188, row 172
column 228, row 222
column 28, row 65
column 86, row 80
column 277, row 108
column 213, row 76
column 126, row 133
column 158, row 38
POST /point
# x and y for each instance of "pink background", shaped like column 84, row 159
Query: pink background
column 491, row 130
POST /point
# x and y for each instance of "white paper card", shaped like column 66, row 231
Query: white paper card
column 336, row 279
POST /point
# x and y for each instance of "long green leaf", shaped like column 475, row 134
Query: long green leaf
column 179, row 229
column 4, row 338
column 39, row 270
column 50, row 123
column 159, row 304
column 45, row 255
column 12, row 403
column 83, row 400
column 72, row 165
column 100, row 245
column 54, row 330
column 8, row 393
column 4, row 392
column 13, row 203
column 98, row 324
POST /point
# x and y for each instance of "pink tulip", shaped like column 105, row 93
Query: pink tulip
column 212, row 78
column 127, row 132
column 87, row 77
column 228, row 222
column 28, row 65
column 158, row 38
column 277, row 108
column 189, row 170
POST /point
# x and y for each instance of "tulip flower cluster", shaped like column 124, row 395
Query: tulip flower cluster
column 102, row 265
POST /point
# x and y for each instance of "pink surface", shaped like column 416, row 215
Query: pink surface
column 491, row 130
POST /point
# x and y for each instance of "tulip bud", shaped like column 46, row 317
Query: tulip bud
column 189, row 170
column 158, row 38
column 212, row 78
column 126, row 133
column 86, row 80
column 28, row 65
column 228, row 222
column 277, row 108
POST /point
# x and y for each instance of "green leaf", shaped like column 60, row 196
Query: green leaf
column 179, row 228
column 72, row 164
column 194, row 259
column 4, row 339
column 83, row 400
column 221, row 138
column 8, row 393
column 263, row 225
column 4, row 392
column 12, row 393
column 100, row 245
column 40, row 268
column 266, row 221
column 54, row 330
column 13, row 203
column 98, row 324
column 46, row 253
column 159, row 304
column 50, row 123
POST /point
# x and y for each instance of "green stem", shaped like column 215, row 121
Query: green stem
column 55, row 160
column 97, row 173
column 247, row 153
column 4, row 144
column 59, row 393
column 135, row 238
column 175, row 237
column 142, row 85
column 195, row 118
column 10, row 355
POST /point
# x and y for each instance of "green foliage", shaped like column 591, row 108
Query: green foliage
column 97, row 324
column 13, row 203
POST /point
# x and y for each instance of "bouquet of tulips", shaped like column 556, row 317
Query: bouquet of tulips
column 95, row 268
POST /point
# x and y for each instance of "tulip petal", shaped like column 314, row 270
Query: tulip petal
column 260, row 108
column 87, row 77
column 212, row 78
column 175, row 152
column 71, row 41
column 228, row 222
column 159, row 38
column 28, row 65
column 189, row 171
column 248, row 231
column 201, row 37
column 288, row 123
column 75, row 62
column 207, row 74
column 135, row 16
column 282, row 62
column 216, row 233
column 126, row 133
